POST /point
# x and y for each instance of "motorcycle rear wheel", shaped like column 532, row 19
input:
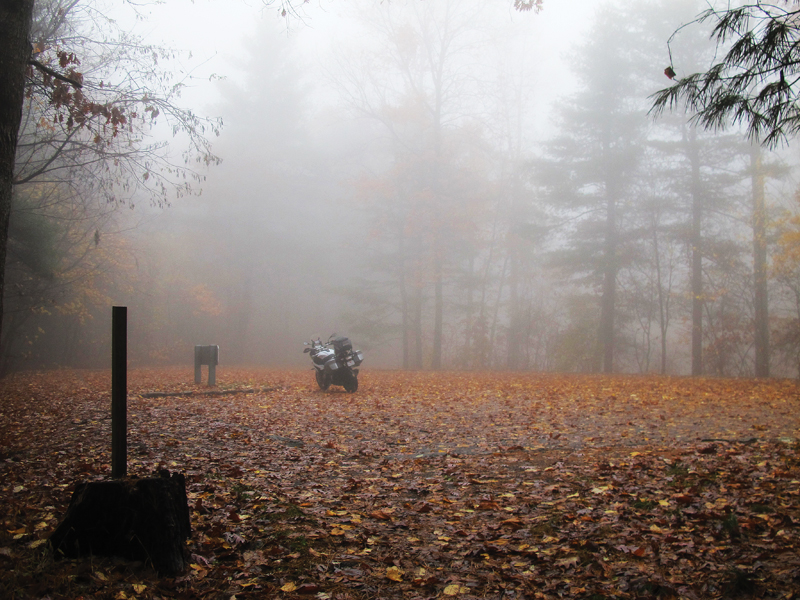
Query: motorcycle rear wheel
column 323, row 382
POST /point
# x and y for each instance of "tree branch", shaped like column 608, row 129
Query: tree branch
column 55, row 74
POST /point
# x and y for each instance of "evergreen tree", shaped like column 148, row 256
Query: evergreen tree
column 588, row 169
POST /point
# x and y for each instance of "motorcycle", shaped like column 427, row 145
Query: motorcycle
column 335, row 362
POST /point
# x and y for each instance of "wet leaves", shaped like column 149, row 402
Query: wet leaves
column 420, row 485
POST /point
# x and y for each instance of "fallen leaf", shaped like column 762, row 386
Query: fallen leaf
column 394, row 573
column 455, row 589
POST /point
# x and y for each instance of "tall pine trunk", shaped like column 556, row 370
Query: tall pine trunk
column 696, row 241
column 760, row 265
column 608, row 301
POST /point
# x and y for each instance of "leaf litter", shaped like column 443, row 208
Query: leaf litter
column 421, row 485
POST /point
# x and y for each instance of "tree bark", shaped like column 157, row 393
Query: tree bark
column 436, row 361
column 608, row 301
column 663, row 301
column 404, row 305
column 469, row 332
column 761, row 300
column 515, row 321
column 15, row 52
column 418, row 327
column 696, row 241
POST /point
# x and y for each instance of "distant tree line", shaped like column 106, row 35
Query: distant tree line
column 622, row 243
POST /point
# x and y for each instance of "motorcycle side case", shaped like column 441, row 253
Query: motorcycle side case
column 355, row 359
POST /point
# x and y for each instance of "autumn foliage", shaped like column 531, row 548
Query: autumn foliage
column 420, row 485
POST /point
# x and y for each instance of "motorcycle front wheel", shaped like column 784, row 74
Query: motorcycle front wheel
column 352, row 384
column 323, row 382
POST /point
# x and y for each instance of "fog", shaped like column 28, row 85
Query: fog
column 277, row 233
column 430, row 178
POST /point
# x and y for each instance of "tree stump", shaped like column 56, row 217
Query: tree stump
column 138, row 519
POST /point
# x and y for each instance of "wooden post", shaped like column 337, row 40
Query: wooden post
column 198, row 364
column 119, row 391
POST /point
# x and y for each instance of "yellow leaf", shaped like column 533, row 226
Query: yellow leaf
column 500, row 542
column 455, row 589
column 139, row 587
column 394, row 574
column 36, row 543
column 289, row 587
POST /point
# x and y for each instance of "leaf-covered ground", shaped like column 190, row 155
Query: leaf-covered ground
column 420, row 485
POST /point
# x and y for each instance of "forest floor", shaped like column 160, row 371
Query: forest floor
column 420, row 485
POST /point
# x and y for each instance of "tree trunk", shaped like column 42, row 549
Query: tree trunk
column 436, row 361
column 761, row 300
column 418, row 327
column 515, row 318
column 469, row 329
column 608, row 301
column 663, row 308
column 496, row 315
column 406, row 318
column 697, row 255
column 15, row 51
